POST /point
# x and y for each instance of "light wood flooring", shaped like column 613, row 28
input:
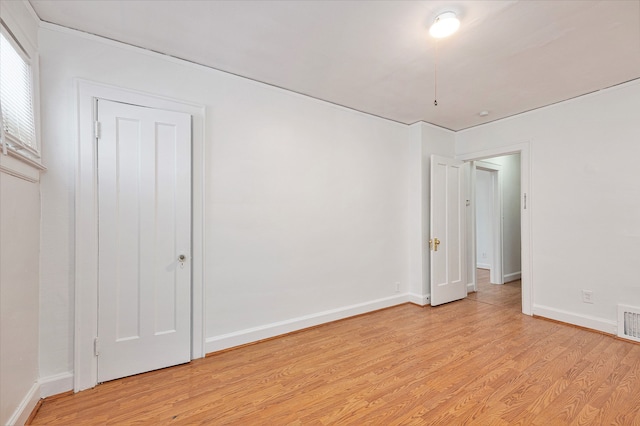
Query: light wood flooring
column 476, row 361
column 507, row 295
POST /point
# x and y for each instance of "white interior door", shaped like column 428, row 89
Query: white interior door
column 144, row 203
column 448, row 234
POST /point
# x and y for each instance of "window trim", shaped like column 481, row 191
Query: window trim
column 11, row 148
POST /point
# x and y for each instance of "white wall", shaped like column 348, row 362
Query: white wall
column 19, row 257
column 484, row 219
column 415, row 211
column 19, row 245
column 584, row 201
column 306, row 202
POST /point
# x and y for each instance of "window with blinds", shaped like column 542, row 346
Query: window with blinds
column 16, row 98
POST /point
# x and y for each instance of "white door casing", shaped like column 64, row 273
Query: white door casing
column 85, row 363
column 144, row 207
column 448, row 230
column 526, row 205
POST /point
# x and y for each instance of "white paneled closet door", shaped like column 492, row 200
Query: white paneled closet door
column 144, row 203
column 448, row 231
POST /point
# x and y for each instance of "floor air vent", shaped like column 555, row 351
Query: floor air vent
column 629, row 322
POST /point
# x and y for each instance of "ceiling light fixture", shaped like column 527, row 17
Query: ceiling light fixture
column 445, row 24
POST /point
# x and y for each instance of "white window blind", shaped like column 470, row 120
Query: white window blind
column 16, row 98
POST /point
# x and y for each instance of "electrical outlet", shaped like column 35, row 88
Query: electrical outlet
column 587, row 296
column 397, row 287
column 484, row 255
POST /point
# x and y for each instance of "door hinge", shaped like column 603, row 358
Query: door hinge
column 525, row 201
column 96, row 347
column 96, row 129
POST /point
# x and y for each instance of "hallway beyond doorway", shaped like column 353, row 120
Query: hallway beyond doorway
column 507, row 295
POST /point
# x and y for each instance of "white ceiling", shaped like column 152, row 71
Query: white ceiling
column 377, row 56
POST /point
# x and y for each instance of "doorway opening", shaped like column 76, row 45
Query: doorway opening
column 507, row 295
column 497, row 228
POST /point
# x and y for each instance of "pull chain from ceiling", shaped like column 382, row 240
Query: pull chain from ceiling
column 435, row 78
column 445, row 24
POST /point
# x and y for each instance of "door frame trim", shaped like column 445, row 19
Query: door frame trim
column 86, row 221
column 526, row 211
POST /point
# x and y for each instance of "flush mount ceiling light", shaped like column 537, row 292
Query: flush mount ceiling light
column 445, row 24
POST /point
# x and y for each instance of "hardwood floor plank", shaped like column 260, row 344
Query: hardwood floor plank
column 583, row 387
column 475, row 361
column 625, row 394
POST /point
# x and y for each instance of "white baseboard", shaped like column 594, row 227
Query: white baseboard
column 483, row 266
column 420, row 299
column 512, row 277
column 471, row 287
column 53, row 385
column 587, row 321
column 254, row 334
column 43, row 388
column 26, row 406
